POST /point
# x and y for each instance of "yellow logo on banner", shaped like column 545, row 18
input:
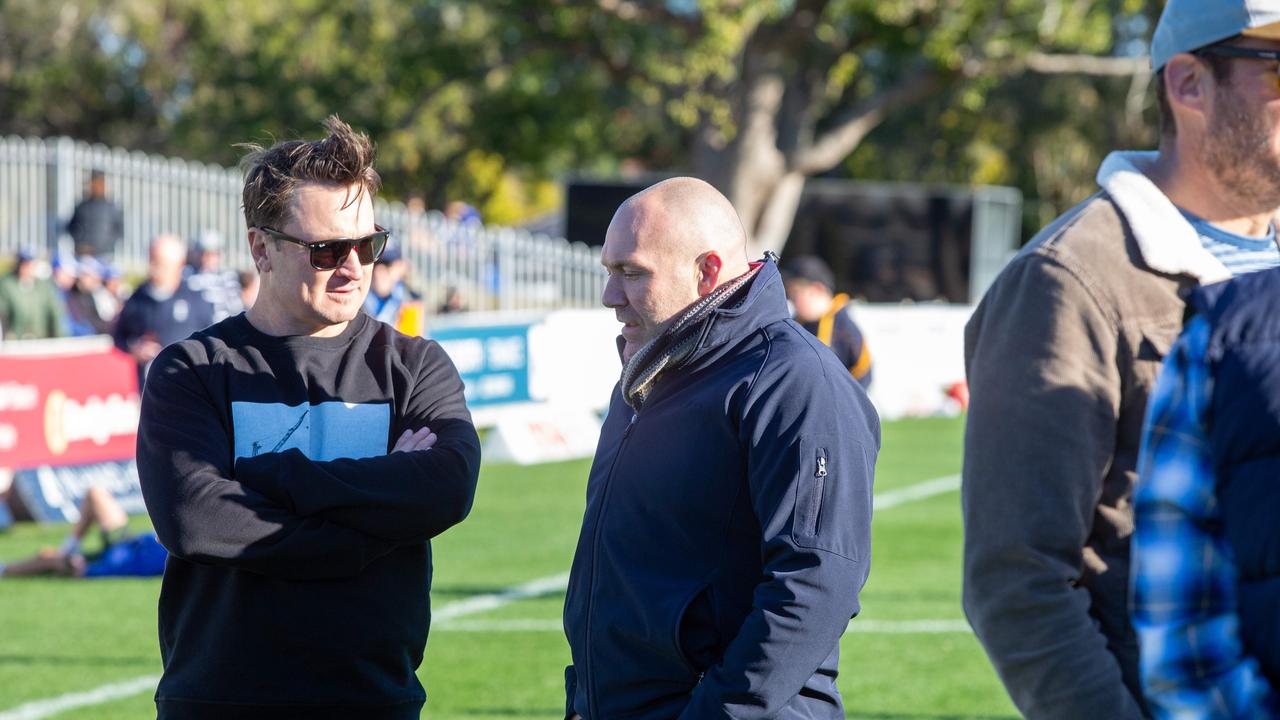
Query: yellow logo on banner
column 55, row 430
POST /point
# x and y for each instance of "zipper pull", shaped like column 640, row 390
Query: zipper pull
column 631, row 424
column 822, row 467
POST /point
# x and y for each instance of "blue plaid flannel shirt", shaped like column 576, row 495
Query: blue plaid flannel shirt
column 1192, row 660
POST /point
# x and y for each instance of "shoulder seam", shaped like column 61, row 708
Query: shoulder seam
column 1085, row 281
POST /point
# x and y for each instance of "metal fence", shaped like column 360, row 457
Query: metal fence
column 494, row 268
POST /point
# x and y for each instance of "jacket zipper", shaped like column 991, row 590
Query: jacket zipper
column 595, row 552
column 819, row 480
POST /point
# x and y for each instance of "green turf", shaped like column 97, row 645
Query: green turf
column 59, row 636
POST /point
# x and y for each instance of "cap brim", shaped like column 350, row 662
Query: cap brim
column 1270, row 31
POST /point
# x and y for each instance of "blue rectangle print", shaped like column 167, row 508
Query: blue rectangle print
column 325, row 431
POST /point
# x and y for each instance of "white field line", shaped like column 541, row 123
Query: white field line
column 919, row 491
column 106, row 693
column 867, row 627
column 490, row 601
column 115, row 691
column 447, row 615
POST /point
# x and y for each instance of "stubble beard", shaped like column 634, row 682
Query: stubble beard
column 1241, row 155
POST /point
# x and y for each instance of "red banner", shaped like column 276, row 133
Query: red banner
column 67, row 408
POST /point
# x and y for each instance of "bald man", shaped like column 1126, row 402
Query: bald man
column 728, row 524
column 164, row 310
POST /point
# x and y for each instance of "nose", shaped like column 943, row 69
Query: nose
column 613, row 297
column 351, row 267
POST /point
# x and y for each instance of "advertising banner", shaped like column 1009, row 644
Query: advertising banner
column 67, row 408
column 493, row 361
column 53, row 494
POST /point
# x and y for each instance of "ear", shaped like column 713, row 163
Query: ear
column 258, row 250
column 1189, row 84
column 709, row 266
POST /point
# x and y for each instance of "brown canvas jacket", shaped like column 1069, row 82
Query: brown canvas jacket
column 1061, row 355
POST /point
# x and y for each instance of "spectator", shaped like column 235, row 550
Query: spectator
column 286, row 461
column 113, row 281
column 416, row 234
column 65, row 269
column 462, row 213
column 97, row 224
column 164, row 310
column 1205, row 596
column 122, row 553
column 810, row 287
column 1061, row 355
column 220, row 288
column 387, row 290
column 30, row 307
column 248, row 280
column 727, row 532
column 91, row 307
column 453, row 302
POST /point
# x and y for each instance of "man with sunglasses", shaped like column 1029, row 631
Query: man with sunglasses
column 296, row 460
column 1065, row 348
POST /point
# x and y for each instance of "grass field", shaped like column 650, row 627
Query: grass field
column 59, row 637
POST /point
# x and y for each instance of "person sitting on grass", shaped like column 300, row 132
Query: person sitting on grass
column 122, row 554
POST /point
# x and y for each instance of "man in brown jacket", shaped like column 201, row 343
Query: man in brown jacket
column 1065, row 347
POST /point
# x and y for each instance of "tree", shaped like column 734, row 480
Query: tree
column 61, row 74
column 483, row 100
column 766, row 94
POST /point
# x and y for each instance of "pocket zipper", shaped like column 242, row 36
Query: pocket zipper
column 819, row 481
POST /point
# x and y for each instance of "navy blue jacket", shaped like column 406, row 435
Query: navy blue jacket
column 1244, row 437
column 168, row 319
column 727, row 531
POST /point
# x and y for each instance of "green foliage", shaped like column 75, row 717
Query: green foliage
column 540, row 88
column 1045, row 135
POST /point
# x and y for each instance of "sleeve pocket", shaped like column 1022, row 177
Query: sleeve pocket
column 833, row 496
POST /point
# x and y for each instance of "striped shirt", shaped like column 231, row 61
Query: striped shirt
column 1239, row 253
column 1184, row 580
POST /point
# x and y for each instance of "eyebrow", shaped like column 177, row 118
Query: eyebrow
column 624, row 264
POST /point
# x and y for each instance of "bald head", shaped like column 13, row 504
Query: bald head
column 686, row 217
column 167, row 255
column 667, row 246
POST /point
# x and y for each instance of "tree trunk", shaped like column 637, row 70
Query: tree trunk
column 750, row 167
column 777, row 216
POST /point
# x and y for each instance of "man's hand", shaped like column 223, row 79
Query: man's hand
column 421, row 439
column 145, row 349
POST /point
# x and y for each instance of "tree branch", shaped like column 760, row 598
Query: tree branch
column 1054, row 64
column 852, row 125
column 630, row 11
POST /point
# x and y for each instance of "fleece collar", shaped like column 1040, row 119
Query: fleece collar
column 1165, row 239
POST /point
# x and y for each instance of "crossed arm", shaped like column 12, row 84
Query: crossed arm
column 285, row 515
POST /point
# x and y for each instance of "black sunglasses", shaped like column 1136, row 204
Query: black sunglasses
column 1234, row 51
column 1239, row 52
column 329, row 254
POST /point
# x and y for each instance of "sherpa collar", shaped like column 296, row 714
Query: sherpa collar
column 1165, row 239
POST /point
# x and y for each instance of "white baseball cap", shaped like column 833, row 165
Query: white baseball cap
column 1187, row 25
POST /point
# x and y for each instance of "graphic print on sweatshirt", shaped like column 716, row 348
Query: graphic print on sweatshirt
column 325, row 431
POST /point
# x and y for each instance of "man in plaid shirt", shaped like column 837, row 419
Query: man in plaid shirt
column 1192, row 657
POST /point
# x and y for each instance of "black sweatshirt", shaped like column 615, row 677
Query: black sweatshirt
column 300, row 556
